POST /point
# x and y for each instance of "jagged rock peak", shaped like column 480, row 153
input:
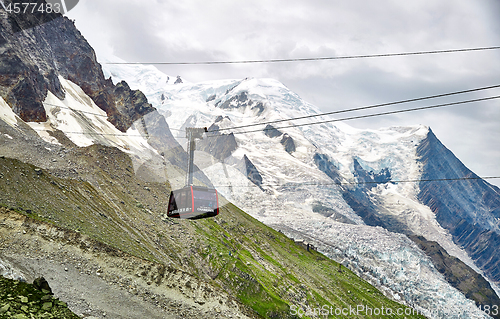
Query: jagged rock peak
column 271, row 131
column 220, row 145
column 288, row 143
column 31, row 61
column 251, row 171
column 468, row 209
column 179, row 80
column 220, row 118
column 242, row 102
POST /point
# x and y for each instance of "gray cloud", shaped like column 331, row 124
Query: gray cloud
column 195, row 30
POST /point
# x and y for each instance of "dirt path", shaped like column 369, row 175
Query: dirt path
column 87, row 295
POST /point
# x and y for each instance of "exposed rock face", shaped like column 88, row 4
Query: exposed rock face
column 251, row 171
column 178, row 81
column 219, row 145
column 130, row 105
column 271, row 131
column 360, row 201
column 288, row 143
column 331, row 213
column 458, row 274
column 157, row 131
column 370, row 178
column 32, row 60
column 22, row 86
column 242, row 102
column 42, row 284
column 469, row 209
column 38, row 17
column 211, row 98
column 326, row 166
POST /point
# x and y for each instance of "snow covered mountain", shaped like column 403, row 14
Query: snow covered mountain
column 352, row 193
column 91, row 154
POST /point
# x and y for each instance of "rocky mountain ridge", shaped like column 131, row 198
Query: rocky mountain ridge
column 32, row 60
column 470, row 210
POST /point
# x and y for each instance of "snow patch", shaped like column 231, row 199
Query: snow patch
column 83, row 122
column 6, row 113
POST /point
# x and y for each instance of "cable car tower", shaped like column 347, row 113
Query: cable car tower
column 193, row 202
column 192, row 133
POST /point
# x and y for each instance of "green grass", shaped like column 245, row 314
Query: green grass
column 270, row 273
column 19, row 300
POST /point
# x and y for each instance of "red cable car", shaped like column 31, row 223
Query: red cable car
column 193, row 202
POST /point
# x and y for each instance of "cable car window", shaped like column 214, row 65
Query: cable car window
column 182, row 199
column 204, row 195
column 172, row 205
column 193, row 202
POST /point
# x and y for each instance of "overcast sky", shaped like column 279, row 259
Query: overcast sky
column 229, row 30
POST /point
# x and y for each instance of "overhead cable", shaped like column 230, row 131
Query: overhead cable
column 365, row 116
column 368, row 107
column 314, row 59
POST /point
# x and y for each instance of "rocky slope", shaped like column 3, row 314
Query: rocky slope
column 461, row 276
column 100, row 281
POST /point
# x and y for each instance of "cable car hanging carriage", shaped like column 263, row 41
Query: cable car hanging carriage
column 193, row 202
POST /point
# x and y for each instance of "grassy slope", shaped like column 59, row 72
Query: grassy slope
column 261, row 267
column 20, row 300
column 71, row 204
column 270, row 272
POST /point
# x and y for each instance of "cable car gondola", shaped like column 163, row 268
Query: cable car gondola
column 193, row 202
